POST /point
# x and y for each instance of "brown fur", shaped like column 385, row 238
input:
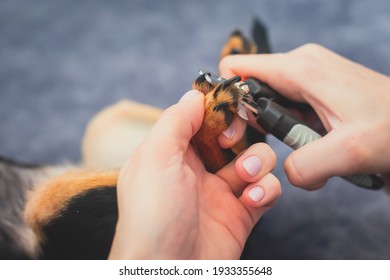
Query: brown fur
column 47, row 200
column 239, row 44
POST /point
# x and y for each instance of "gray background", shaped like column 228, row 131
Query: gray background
column 62, row 61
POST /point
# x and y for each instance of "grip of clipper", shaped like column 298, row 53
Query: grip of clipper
column 259, row 89
column 282, row 124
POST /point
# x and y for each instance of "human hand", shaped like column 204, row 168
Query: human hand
column 170, row 207
column 350, row 101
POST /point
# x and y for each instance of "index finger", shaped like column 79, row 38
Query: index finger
column 274, row 69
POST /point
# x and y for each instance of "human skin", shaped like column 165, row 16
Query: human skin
column 350, row 101
column 170, row 207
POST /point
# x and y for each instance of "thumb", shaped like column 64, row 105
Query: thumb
column 179, row 123
column 310, row 166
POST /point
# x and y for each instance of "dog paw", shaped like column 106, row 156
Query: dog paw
column 221, row 104
column 221, row 108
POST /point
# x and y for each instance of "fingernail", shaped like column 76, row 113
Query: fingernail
column 189, row 95
column 252, row 165
column 229, row 133
column 256, row 193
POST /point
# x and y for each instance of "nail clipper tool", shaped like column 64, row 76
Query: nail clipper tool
column 270, row 109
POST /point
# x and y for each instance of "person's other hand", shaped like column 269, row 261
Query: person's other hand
column 351, row 102
column 170, row 207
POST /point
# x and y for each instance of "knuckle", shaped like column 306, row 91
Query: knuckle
column 307, row 57
column 305, row 180
column 355, row 150
column 265, row 149
column 311, row 49
column 295, row 176
column 304, row 61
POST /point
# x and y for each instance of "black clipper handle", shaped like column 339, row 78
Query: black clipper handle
column 259, row 89
column 281, row 123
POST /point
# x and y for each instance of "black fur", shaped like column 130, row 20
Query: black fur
column 221, row 106
column 260, row 36
column 228, row 83
column 85, row 228
column 225, row 85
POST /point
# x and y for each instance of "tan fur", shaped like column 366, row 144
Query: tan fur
column 113, row 134
column 46, row 201
column 235, row 42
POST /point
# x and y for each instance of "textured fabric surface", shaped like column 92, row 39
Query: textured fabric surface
column 62, row 61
